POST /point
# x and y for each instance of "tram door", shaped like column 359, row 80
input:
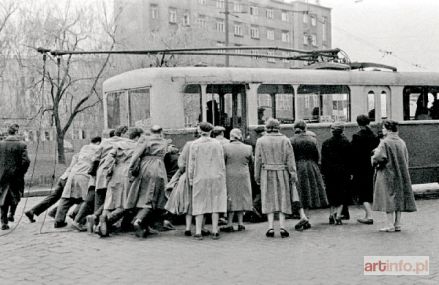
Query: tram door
column 226, row 106
column 378, row 102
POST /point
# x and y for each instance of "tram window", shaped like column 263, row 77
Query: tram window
column 276, row 101
column 383, row 105
column 371, row 105
column 323, row 103
column 421, row 103
column 139, row 106
column 116, row 109
column 192, row 105
column 225, row 106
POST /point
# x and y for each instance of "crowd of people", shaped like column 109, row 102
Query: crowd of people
column 130, row 181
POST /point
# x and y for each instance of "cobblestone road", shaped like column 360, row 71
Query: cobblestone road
column 323, row 255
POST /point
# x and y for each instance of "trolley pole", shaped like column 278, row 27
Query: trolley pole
column 226, row 27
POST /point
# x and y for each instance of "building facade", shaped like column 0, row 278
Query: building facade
column 149, row 24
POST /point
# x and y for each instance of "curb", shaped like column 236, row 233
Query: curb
column 421, row 191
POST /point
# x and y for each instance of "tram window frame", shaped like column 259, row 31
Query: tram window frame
column 192, row 90
column 318, row 111
column 133, row 105
column 412, row 100
column 117, row 118
column 271, row 95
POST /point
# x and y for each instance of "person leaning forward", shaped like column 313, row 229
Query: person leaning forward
column 14, row 162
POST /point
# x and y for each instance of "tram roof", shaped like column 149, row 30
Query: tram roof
column 221, row 75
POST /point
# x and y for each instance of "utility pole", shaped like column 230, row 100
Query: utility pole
column 226, row 28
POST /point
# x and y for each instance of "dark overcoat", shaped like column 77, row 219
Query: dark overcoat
column 14, row 162
column 363, row 143
column 336, row 168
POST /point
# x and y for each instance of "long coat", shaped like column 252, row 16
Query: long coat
column 102, row 173
column 275, row 170
column 238, row 158
column 118, row 183
column 180, row 199
column 363, row 143
column 310, row 183
column 392, row 185
column 336, row 168
column 148, row 189
column 207, row 175
column 14, row 162
column 78, row 181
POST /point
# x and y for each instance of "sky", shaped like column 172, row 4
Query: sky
column 401, row 33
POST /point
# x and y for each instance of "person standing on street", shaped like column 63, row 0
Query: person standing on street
column 336, row 170
column 393, row 191
column 363, row 143
column 275, row 172
column 238, row 158
column 207, row 176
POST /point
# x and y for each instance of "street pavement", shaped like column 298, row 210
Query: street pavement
column 322, row 255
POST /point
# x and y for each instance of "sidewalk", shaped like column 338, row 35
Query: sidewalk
column 422, row 191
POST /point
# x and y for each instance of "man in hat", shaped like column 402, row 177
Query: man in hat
column 14, row 163
column 218, row 134
column 207, row 176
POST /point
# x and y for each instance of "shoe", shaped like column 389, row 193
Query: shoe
column 241, row 228
column 269, row 233
column 139, row 230
column 198, row 237
column 205, row 232
column 228, row 229
column 331, row 219
column 397, row 228
column 188, row 233
column 338, row 221
column 215, row 236
column 58, row 225
column 365, row 221
column 300, row 225
column 387, row 230
column 307, row 225
column 11, row 218
column 90, row 223
column 30, row 216
column 77, row 226
column 284, row 233
column 5, row 227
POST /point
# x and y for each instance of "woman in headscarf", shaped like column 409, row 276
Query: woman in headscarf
column 309, row 179
column 393, row 192
column 275, row 171
column 238, row 157
column 336, row 170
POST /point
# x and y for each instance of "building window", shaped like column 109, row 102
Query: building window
column 254, row 11
column 286, row 37
column 202, row 2
column 237, row 7
column 238, row 51
column 154, row 12
column 275, row 101
column 323, row 103
column 284, row 16
column 285, row 54
column 172, row 16
column 271, row 59
column 220, row 4
column 314, row 40
column 270, row 35
column 254, row 32
column 270, row 14
column 305, row 18
column 313, row 20
column 186, row 19
column 305, row 39
column 221, row 44
column 238, row 30
column 202, row 22
column 324, row 29
column 220, row 26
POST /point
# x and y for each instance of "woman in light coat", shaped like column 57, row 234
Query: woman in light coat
column 393, row 192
